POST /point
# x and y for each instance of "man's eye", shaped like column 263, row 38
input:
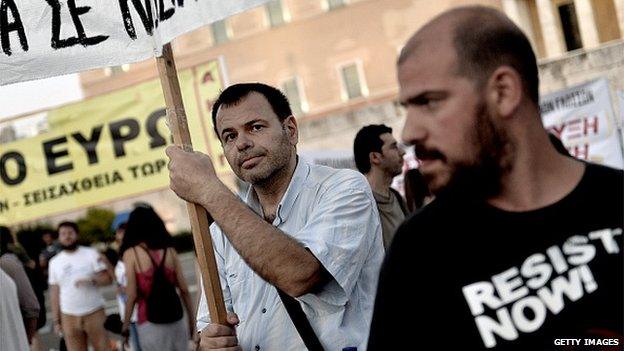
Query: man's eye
column 229, row 137
column 433, row 103
column 257, row 127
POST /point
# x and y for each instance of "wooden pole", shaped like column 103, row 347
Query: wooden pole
column 200, row 219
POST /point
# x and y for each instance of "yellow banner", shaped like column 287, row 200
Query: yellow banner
column 104, row 148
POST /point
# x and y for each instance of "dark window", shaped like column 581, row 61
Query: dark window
column 570, row 27
column 275, row 12
column 219, row 32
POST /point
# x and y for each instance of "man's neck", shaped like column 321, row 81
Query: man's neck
column 270, row 194
column 539, row 176
column 379, row 181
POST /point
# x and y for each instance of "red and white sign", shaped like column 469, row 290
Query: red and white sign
column 583, row 118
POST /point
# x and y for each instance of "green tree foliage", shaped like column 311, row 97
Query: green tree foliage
column 95, row 226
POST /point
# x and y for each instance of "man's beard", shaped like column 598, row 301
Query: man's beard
column 276, row 161
column 70, row 247
column 481, row 179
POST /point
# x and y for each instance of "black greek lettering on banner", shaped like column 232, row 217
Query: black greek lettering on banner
column 75, row 13
column 51, row 156
column 21, row 168
column 90, row 144
column 156, row 139
column 7, row 27
column 120, row 138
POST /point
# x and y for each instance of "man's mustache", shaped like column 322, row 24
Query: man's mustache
column 424, row 153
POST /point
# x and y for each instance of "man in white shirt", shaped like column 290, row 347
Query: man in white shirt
column 311, row 231
column 77, row 305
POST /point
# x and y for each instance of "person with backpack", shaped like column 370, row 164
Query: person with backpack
column 154, row 277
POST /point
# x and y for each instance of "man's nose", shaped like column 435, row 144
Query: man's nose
column 414, row 130
column 243, row 142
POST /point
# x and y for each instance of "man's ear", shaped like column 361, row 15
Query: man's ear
column 504, row 91
column 374, row 158
column 290, row 124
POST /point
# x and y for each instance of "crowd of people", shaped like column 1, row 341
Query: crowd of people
column 502, row 241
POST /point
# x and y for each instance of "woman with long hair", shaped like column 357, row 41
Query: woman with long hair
column 150, row 260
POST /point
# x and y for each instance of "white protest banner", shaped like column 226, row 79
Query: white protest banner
column 582, row 117
column 46, row 38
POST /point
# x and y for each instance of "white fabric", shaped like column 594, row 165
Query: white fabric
column 120, row 276
column 12, row 332
column 333, row 214
column 65, row 269
column 103, row 19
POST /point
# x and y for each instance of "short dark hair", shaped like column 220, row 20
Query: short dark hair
column 234, row 94
column 72, row 225
column 494, row 42
column 368, row 140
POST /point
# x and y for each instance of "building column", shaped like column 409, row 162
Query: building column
column 587, row 23
column 518, row 13
column 553, row 38
column 619, row 9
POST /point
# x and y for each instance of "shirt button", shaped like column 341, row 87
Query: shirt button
column 257, row 347
column 264, row 310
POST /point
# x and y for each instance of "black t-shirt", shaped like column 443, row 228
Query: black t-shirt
column 463, row 275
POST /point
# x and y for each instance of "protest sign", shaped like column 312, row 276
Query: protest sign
column 583, row 118
column 102, row 149
column 46, row 38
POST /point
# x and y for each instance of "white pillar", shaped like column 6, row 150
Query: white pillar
column 517, row 11
column 587, row 23
column 553, row 38
column 619, row 9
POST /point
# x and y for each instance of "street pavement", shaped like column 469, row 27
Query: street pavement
column 51, row 341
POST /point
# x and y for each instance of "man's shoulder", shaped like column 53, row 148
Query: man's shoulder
column 336, row 177
column 87, row 250
column 57, row 258
column 598, row 174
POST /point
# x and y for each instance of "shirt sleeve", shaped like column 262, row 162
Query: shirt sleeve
column 343, row 229
column 203, row 314
column 25, row 293
column 98, row 262
column 52, row 278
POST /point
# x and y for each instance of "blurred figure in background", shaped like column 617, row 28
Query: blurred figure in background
column 51, row 248
column 150, row 260
column 29, row 245
column 15, row 248
column 77, row 305
column 11, row 265
column 122, row 283
column 12, row 335
column 379, row 157
column 417, row 193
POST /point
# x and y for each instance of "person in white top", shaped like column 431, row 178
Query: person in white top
column 12, row 332
column 311, row 231
column 77, row 304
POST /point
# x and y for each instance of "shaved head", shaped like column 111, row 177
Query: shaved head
column 483, row 39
